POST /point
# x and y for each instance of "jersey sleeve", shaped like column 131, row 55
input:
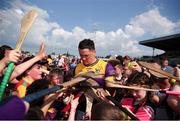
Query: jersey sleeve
column 109, row 73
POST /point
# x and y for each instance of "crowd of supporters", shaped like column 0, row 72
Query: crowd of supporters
column 34, row 73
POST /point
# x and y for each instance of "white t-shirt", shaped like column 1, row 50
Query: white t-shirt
column 61, row 62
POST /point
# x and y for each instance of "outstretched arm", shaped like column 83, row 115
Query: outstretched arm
column 74, row 103
column 49, row 99
column 19, row 69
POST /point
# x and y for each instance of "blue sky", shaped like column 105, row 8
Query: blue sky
column 116, row 26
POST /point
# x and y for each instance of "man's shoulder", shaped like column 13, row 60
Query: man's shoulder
column 79, row 64
column 100, row 61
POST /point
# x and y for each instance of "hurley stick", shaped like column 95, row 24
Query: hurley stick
column 32, row 97
column 26, row 23
column 146, row 65
column 92, row 94
column 111, row 85
column 125, row 110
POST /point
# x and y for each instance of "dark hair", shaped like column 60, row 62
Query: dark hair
column 55, row 71
column 106, row 111
column 34, row 113
column 49, row 56
column 73, row 60
column 126, row 57
column 164, row 58
column 139, row 78
column 41, row 62
column 3, row 48
column 114, row 62
column 87, row 44
column 120, row 58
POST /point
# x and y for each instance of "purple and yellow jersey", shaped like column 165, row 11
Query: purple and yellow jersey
column 100, row 67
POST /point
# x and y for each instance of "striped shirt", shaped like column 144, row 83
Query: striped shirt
column 144, row 112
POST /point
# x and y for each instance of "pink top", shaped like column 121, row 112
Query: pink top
column 145, row 112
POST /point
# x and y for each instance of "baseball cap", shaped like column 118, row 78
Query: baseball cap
column 40, row 62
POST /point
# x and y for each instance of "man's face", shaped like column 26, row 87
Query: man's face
column 87, row 56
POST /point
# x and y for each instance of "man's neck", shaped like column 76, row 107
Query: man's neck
column 94, row 61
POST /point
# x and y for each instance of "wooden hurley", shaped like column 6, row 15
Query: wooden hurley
column 112, row 85
column 61, row 87
column 26, row 23
column 91, row 94
column 125, row 110
column 150, row 67
column 90, row 74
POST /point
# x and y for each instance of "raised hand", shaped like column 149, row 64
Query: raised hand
column 134, row 66
column 41, row 54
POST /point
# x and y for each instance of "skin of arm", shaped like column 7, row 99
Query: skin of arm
column 19, row 69
column 74, row 104
column 49, row 99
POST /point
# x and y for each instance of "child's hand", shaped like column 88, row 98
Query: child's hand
column 134, row 66
column 41, row 54
column 75, row 100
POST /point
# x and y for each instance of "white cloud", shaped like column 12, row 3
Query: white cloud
column 20, row 12
column 134, row 30
column 150, row 22
column 122, row 41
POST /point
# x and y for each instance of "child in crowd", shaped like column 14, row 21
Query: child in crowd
column 56, row 76
column 139, row 102
column 172, row 100
column 107, row 111
column 29, row 76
